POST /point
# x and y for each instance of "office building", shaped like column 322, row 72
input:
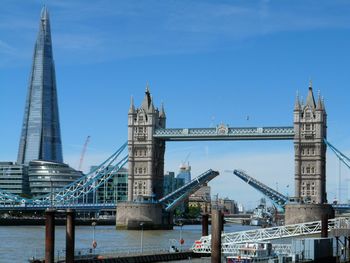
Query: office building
column 185, row 172
column 114, row 190
column 45, row 176
column 171, row 183
column 14, row 178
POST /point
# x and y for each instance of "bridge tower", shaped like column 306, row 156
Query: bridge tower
column 146, row 169
column 310, row 126
column 146, row 154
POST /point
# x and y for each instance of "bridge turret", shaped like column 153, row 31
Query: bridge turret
column 310, row 127
column 132, row 106
column 162, row 117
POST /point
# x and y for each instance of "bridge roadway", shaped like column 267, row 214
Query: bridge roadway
column 230, row 241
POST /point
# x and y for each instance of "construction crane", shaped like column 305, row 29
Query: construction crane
column 83, row 152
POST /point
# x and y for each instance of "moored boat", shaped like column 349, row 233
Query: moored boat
column 254, row 252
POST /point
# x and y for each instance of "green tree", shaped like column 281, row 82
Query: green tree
column 194, row 211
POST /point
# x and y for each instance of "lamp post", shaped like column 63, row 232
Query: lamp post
column 94, row 243
column 141, row 225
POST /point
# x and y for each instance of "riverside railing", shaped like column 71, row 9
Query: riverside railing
column 91, row 253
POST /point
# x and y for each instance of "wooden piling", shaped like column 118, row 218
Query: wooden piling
column 205, row 224
column 70, row 235
column 50, row 236
column 216, row 226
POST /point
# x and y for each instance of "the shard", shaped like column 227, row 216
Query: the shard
column 41, row 138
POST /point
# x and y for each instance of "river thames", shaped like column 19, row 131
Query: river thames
column 20, row 243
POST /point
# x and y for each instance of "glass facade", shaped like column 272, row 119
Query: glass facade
column 171, row 183
column 115, row 189
column 44, row 175
column 185, row 173
column 14, row 178
column 40, row 138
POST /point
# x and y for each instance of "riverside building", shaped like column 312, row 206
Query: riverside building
column 13, row 178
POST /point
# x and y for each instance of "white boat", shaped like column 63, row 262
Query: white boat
column 254, row 252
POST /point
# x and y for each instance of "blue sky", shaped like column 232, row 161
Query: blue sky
column 208, row 61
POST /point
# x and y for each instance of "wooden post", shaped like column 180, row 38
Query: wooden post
column 50, row 236
column 324, row 226
column 70, row 235
column 222, row 221
column 216, row 236
column 205, row 223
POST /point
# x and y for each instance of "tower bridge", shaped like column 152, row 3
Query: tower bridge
column 147, row 137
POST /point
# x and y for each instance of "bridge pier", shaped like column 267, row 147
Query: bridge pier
column 301, row 213
column 130, row 215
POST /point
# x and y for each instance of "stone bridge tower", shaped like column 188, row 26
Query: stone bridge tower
column 146, row 154
column 310, row 126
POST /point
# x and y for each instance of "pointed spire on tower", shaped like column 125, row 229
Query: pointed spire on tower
column 310, row 100
column 147, row 103
column 297, row 102
column 152, row 105
column 162, row 111
column 319, row 101
column 132, row 106
column 323, row 105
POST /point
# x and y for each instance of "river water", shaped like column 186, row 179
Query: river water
column 19, row 243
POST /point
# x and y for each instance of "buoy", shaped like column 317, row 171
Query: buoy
column 94, row 244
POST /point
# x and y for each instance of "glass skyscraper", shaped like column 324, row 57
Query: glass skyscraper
column 41, row 138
